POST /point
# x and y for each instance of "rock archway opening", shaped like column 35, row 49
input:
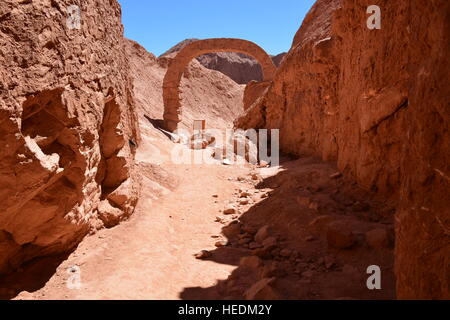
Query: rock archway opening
column 177, row 67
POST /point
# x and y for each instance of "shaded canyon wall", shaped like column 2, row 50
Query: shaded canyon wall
column 376, row 102
column 67, row 126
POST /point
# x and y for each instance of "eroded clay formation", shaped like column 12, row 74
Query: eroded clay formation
column 67, row 129
column 171, row 91
column 356, row 96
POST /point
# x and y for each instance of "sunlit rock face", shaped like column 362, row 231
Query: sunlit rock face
column 66, row 126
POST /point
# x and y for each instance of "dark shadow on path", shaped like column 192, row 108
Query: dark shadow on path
column 300, row 196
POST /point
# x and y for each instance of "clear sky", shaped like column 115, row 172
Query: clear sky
column 160, row 24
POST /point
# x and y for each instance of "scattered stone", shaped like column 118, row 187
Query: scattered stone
column 245, row 235
column 221, row 243
column 343, row 199
column 270, row 242
column 294, row 255
column 254, row 245
column 226, row 162
column 255, row 176
column 245, row 194
column 339, row 236
column 199, row 144
column 285, row 253
column 378, row 238
column 250, row 230
column 253, row 262
column 245, row 241
column 263, row 164
column 336, row 175
column 263, row 253
column 262, row 290
column 244, row 201
column 109, row 215
column 204, row 254
column 231, row 231
column 215, row 195
column 230, row 209
column 262, row 234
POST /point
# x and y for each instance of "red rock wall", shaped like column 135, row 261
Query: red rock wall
column 376, row 101
column 67, row 127
column 423, row 218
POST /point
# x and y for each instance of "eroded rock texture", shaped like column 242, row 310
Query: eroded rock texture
column 376, row 101
column 67, row 128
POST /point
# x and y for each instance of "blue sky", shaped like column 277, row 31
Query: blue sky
column 160, row 24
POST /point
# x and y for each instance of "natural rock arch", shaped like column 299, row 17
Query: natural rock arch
column 172, row 79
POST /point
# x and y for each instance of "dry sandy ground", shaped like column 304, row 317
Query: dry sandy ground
column 151, row 256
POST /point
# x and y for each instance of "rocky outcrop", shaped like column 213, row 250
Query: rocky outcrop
column 172, row 79
column 67, row 126
column 376, row 102
column 240, row 67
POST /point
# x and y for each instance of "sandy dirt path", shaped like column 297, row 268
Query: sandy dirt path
column 151, row 255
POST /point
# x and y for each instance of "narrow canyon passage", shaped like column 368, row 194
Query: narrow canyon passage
column 249, row 253
column 95, row 204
